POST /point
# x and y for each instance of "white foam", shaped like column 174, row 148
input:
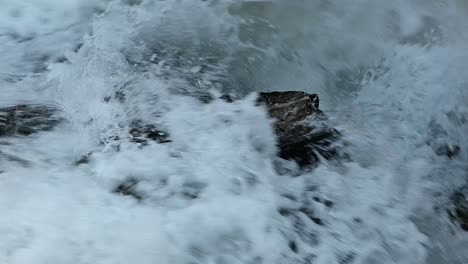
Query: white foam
column 56, row 212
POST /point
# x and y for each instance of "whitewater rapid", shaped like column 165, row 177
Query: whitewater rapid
column 390, row 75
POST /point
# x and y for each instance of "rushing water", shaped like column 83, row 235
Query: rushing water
column 392, row 75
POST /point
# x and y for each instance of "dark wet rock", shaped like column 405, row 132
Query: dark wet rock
column 24, row 120
column 459, row 213
column 293, row 246
column 302, row 129
column 440, row 141
column 128, row 188
column 227, row 98
column 120, row 96
column 158, row 135
column 443, row 133
column 448, row 150
column 85, row 159
column 149, row 133
column 300, row 104
column 140, row 133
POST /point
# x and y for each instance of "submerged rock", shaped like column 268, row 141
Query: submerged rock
column 460, row 211
column 442, row 134
column 302, row 129
column 85, row 159
column 448, row 150
column 128, row 188
column 24, row 120
column 140, row 133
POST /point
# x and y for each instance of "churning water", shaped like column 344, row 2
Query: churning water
column 392, row 76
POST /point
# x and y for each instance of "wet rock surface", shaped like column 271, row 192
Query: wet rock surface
column 459, row 213
column 142, row 133
column 85, row 159
column 443, row 134
column 302, row 129
column 128, row 188
column 24, row 120
column 20, row 121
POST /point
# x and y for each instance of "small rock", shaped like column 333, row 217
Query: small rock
column 227, row 98
column 460, row 211
column 84, row 159
column 120, row 96
column 159, row 136
column 302, row 129
column 293, row 246
column 24, row 120
column 128, row 188
column 448, row 150
column 140, row 133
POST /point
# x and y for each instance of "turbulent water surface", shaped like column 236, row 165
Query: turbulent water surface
column 392, row 76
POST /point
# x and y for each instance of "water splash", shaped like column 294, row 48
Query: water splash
column 390, row 74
